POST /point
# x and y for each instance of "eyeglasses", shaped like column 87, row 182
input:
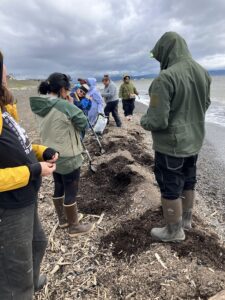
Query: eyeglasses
column 82, row 92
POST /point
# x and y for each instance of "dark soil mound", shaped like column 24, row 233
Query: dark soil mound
column 133, row 236
column 109, row 189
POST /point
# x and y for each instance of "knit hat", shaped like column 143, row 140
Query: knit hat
column 85, row 88
column 82, row 81
column 106, row 77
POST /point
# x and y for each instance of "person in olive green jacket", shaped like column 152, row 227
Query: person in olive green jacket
column 60, row 124
column 128, row 93
column 179, row 99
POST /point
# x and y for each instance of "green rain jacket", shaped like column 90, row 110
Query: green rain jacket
column 127, row 89
column 60, row 124
column 179, row 98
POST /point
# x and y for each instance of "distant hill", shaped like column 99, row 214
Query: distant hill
column 137, row 77
column 217, row 72
column 150, row 76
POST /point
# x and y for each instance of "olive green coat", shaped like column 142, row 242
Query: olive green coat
column 179, row 98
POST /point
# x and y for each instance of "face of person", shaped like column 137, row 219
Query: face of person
column 127, row 79
column 105, row 82
column 81, row 93
column 63, row 93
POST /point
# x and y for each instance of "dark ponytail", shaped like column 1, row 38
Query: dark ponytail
column 54, row 83
column 44, row 88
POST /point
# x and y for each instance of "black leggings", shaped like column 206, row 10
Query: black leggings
column 67, row 185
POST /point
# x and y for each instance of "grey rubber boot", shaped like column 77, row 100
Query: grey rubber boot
column 76, row 229
column 188, row 199
column 60, row 211
column 173, row 231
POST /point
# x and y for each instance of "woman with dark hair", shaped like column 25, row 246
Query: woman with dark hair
column 22, row 239
column 60, row 124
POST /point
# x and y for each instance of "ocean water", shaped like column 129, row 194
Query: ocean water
column 216, row 112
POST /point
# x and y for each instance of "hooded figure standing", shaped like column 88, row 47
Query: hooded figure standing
column 179, row 98
column 60, row 123
column 128, row 93
column 97, row 101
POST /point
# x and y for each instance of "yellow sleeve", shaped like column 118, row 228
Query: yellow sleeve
column 39, row 150
column 14, row 178
column 12, row 110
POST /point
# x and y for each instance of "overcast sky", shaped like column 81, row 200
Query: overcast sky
column 88, row 37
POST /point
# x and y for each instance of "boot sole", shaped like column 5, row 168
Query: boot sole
column 82, row 233
column 64, row 226
column 169, row 241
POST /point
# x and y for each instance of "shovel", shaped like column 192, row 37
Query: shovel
column 92, row 168
column 102, row 151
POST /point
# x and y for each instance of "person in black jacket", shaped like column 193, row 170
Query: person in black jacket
column 22, row 239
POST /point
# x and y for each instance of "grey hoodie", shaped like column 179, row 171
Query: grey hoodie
column 110, row 92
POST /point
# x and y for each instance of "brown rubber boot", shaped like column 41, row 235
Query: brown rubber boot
column 188, row 199
column 76, row 229
column 58, row 203
column 173, row 231
column 60, row 211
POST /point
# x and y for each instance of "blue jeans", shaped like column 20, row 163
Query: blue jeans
column 22, row 247
column 175, row 174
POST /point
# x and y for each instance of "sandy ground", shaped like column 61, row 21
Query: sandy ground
column 119, row 260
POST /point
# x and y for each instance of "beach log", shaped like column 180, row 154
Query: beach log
column 219, row 296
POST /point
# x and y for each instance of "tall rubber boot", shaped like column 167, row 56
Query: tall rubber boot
column 58, row 203
column 173, row 231
column 39, row 248
column 188, row 200
column 76, row 229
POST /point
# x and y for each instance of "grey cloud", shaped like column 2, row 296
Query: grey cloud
column 93, row 37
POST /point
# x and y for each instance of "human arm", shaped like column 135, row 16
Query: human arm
column 98, row 99
column 110, row 93
column 157, row 115
column 18, row 177
column 121, row 91
column 44, row 153
column 135, row 91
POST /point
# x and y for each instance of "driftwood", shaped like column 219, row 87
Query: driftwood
column 219, row 296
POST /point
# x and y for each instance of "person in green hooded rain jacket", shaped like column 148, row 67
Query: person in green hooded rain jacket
column 179, row 99
column 60, row 124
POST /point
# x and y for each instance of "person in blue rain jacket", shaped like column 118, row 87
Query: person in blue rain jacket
column 97, row 101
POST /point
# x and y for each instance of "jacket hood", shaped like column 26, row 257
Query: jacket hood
column 41, row 106
column 126, row 75
column 92, row 82
column 170, row 48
